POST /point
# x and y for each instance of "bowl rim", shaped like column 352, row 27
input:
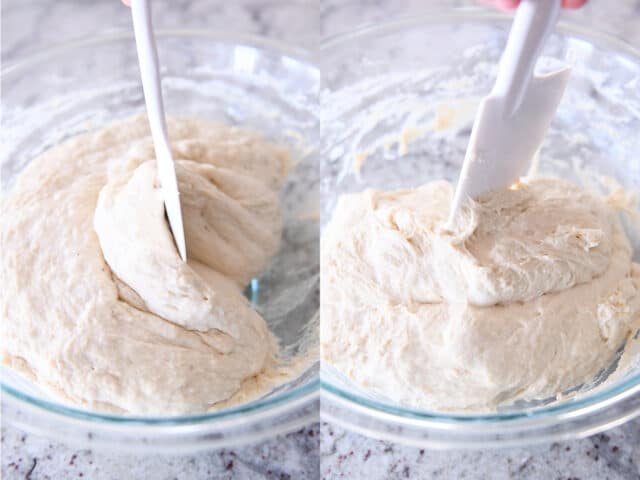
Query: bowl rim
column 431, row 16
column 242, row 414
column 43, row 54
column 555, row 412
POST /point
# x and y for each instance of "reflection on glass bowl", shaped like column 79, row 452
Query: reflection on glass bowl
column 397, row 114
column 237, row 80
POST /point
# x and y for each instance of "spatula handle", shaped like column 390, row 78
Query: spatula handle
column 149, row 71
column 150, row 74
column 532, row 24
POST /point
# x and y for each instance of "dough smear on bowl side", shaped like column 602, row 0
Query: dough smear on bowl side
column 97, row 304
column 531, row 292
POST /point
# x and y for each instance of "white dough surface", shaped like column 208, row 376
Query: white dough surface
column 97, row 305
column 530, row 293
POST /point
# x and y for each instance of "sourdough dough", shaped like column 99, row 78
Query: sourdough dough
column 97, row 304
column 530, row 293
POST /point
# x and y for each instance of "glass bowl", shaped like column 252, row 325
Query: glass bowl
column 244, row 80
column 397, row 105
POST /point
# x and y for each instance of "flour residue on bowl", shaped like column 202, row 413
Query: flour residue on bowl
column 394, row 134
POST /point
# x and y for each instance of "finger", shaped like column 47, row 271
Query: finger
column 127, row 2
column 502, row 4
column 573, row 3
column 508, row 4
column 511, row 4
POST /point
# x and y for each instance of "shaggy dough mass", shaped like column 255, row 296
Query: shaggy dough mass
column 97, row 304
column 530, row 293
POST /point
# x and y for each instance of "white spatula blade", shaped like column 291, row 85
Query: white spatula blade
column 150, row 74
column 171, row 196
column 512, row 121
column 500, row 150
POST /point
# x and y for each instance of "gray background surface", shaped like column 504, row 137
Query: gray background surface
column 613, row 455
column 30, row 25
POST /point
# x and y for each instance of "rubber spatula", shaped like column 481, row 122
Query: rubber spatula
column 512, row 121
column 149, row 72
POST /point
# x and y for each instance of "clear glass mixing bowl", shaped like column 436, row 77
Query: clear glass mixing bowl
column 397, row 104
column 241, row 80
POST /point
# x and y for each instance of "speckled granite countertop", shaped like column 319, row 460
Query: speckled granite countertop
column 612, row 455
column 30, row 25
column 619, row 17
column 291, row 456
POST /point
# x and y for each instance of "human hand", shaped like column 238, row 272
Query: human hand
column 511, row 4
column 127, row 2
